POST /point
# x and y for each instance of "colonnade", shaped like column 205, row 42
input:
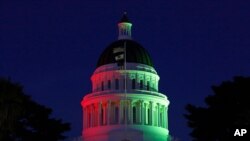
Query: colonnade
column 138, row 112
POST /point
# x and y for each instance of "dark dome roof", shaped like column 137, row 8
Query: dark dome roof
column 135, row 53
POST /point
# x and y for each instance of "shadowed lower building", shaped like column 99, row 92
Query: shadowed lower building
column 125, row 104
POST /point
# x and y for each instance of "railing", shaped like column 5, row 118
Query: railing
column 134, row 91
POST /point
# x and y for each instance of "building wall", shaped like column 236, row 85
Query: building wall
column 125, row 103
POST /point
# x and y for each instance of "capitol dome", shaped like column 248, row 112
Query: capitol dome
column 135, row 53
column 125, row 103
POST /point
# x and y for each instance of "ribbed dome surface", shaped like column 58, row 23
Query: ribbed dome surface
column 135, row 53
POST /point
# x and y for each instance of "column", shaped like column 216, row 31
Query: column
column 128, row 106
column 131, row 112
column 104, row 113
column 109, row 113
column 151, row 113
column 88, row 116
column 126, row 111
column 99, row 114
column 154, row 114
column 91, row 116
column 121, row 116
column 142, row 112
column 138, row 112
column 96, row 114
column 166, row 114
column 158, row 113
column 164, row 117
column 84, row 118
column 146, row 114
column 161, row 116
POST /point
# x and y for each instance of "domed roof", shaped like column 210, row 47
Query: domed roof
column 135, row 53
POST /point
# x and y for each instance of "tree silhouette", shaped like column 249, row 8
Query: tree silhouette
column 227, row 110
column 25, row 120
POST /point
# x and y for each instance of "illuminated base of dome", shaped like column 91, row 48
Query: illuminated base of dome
column 128, row 133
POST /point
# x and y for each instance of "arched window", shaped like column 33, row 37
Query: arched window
column 133, row 83
column 134, row 114
column 141, row 84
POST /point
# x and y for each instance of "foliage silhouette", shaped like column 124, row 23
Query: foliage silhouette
column 23, row 119
column 227, row 109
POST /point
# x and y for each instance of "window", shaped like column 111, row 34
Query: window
column 160, row 122
column 148, row 118
column 148, row 85
column 141, row 84
column 109, row 84
column 116, row 84
column 125, row 115
column 102, row 116
column 134, row 114
column 102, row 86
column 116, row 114
column 89, row 120
column 155, row 117
column 153, row 86
column 133, row 83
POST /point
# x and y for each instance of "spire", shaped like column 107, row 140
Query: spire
column 124, row 26
column 124, row 18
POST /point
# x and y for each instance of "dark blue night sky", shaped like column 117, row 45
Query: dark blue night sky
column 52, row 46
